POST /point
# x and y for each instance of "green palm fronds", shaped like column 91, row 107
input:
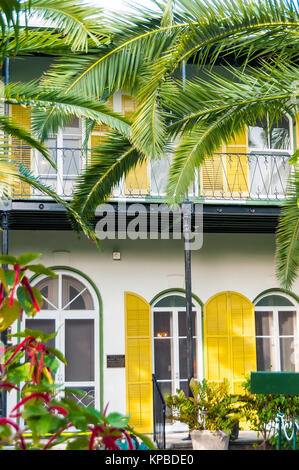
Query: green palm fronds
column 287, row 250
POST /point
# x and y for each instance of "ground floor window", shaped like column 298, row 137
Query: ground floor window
column 170, row 342
column 71, row 308
column 276, row 320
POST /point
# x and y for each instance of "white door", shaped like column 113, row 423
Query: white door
column 66, row 153
column 170, row 343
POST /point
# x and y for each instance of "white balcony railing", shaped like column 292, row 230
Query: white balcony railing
column 254, row 176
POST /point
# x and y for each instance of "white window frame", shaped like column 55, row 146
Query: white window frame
column 276, row 337
column 175, row 339
column 60, row 316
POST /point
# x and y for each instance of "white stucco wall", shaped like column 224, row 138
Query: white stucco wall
column 240, row 262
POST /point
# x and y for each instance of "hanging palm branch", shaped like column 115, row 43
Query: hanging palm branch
column 111, row 161
column 78, row 22
column 287, row 250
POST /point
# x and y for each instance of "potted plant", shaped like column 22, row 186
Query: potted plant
column 210, row 414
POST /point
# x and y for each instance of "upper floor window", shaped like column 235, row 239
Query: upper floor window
column 276, row 333
column 262, row 136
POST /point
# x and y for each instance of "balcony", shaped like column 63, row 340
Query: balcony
column 224, row 177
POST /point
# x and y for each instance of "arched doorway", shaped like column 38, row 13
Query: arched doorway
column 71, row 307
column 229, row 339
column 169, row 330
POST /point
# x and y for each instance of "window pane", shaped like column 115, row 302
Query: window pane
column 79, row 350
column 49, row 290
column 183, row 358
column 257, row 135
column 287, row 354
column 183, row 324
column 264, row 323
column 71, row 157
column 87, row 399
column 274, row 301
column 46, row 326
column 75, row 295
column 286, row 323
column 280, row 134
column 159, row 171
column 172, row 301
column 264, row 354
column 165, row 388
column 163, row 358
column 184, row 387
column 162, row 324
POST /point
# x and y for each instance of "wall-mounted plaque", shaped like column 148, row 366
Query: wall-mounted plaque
column 115, row 360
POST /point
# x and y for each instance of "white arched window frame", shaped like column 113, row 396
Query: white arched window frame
column 277, row 336
column 76, row 318
column 172, row 328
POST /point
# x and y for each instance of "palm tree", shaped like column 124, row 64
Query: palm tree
column 200, row 114
column 73, row 29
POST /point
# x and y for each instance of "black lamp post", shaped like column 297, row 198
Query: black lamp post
column 187, row 218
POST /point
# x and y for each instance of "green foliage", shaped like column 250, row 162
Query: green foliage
column 211, row 407
column 261, row 411
column 30, row 367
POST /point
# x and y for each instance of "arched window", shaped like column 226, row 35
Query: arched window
column 276, row 320
column 170, row 342
column 71, row 307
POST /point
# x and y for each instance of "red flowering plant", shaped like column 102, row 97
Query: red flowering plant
column 28, row 367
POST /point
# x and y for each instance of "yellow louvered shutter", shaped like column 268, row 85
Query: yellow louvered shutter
column 139, row 362
column 229, row 337
column 21, row 153
column 237, row 166
column 99, row 131
column 137, row 181
column 212, row 181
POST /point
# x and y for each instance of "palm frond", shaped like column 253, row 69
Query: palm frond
column 111, row 161
column 26, row 176
column 10, row 128
column 78, row 22
column 287, row 242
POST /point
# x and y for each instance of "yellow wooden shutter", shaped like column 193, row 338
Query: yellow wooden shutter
column 229, row 338
column 212, row 182
column 139, row 362
column 237, row 166
column 99, row 131
column 21, row 153
column 137, row 181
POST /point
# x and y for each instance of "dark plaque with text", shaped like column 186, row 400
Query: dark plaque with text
column 116, row 360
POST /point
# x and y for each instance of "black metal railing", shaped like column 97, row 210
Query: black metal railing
column 159, row 410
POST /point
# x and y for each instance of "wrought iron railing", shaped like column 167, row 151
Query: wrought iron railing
column 223, row 177
column 159, row 411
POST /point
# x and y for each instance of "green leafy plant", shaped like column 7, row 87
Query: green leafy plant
column 29, row 367
column 211, row 407
column 261, row 411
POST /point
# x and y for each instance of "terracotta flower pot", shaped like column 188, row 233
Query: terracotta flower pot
column 209, row 440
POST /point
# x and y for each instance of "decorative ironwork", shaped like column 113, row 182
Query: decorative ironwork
column 233, row 176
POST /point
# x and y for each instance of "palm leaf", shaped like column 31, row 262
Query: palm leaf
column 10, row 128
column 111, row 161
column 287, row 249
column 26, row 176
column 79, row 23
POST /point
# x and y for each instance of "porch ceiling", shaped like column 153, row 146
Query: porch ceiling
column 217, row 218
